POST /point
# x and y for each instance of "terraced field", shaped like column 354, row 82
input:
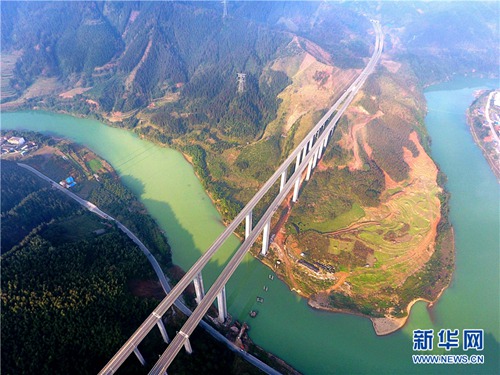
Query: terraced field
column 8, row 63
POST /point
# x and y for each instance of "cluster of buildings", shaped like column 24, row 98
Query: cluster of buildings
column 16, row 145
column 67, row 183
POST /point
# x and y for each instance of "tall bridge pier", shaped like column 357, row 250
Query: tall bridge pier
column 162, row 328
column 139, row 356
column 248, row 224
column 265, row 238
column 198, row 287
column 221, row 305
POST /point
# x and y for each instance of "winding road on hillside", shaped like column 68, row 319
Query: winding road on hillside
column 161, row 276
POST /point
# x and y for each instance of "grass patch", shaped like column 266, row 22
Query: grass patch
column 256, row 160
column 348, row 218
column 95, row 165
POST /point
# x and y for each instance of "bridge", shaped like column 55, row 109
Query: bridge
column 301, row 161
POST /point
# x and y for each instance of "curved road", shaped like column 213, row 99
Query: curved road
column 161, row 276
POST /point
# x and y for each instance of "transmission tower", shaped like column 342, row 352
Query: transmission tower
column 224, row 12
column 241, row 82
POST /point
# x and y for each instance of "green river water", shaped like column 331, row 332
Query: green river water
column 317, row 342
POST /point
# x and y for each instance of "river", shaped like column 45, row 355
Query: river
column 317, row 342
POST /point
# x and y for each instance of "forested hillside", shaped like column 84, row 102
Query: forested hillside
column 441, row 39
column 134, row 54
column 66, row 290
column 168, row 72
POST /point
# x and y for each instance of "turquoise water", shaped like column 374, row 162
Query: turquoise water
column 318, row 342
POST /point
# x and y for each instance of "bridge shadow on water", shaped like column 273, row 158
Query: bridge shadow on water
column 246, row 284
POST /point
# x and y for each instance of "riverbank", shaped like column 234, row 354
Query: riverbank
column 382, row 326
column 386, row 325
column 71, row 156
column 483, row 130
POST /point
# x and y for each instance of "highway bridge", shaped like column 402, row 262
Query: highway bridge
column 302, row 161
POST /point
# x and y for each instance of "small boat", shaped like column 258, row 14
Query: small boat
column 266, row 288
column 260, row 299
column 253, row 313
column 271, row 277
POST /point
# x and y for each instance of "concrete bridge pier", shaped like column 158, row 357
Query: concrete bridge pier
column 283, row 181
column 161, row 326
column 320, row 150
column 296, row 190
column 297, row 163
column 309, row 168
column 221, row 304
column 187, row 343
column 187, row 346
column 265, row 238
column 163, row 331
column 248, row 224
column 304, row 152
column 315, row 159
column 198, row 287
column 139, row 356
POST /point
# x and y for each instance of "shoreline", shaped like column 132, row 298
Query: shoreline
column 382, row 326
column 386, row 325
column 479, row 143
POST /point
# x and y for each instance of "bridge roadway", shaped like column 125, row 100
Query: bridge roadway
column 321, row 132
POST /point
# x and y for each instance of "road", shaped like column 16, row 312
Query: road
column 161, row 276
column 93, row 208
column 488, row 119
column 188, row 328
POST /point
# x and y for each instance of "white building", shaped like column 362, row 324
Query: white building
column 497, row 98
column 16, row 141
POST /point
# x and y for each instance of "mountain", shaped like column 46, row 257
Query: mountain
column 440, row 39
column 133, row 53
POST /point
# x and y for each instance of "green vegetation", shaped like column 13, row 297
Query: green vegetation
column 218, row 190
column 335, row 197
column 388, row 143
column 253, row 157
column 35, row 209
column 372, row 236
column 95, row 165
column 177, row 86
column 440, row 39
column 16, row 186
column 57, row 295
